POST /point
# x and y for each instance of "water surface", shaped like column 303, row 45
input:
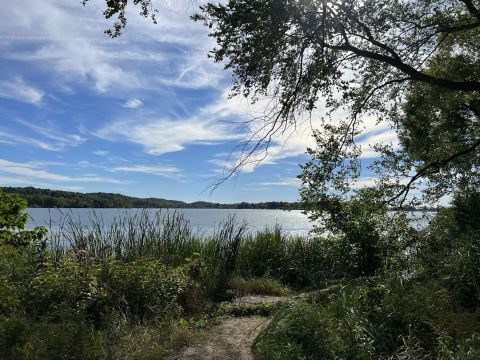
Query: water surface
column 204, row 220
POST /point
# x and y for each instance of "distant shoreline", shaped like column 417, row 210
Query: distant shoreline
column 46, row 198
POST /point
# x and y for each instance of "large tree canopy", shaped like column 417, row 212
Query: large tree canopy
column 412, row 63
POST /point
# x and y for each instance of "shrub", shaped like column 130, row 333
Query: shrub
column 66, row 287
column 387, row 318
column 143, row 287
column 449, row 249
column 263, row 286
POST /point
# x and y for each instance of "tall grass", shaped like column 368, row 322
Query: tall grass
column 299, row 261
column 163, row 235
column 295, row 260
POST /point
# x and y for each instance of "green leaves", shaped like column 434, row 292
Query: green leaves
column 118, row 7
column 12, row 222
column 11, row 211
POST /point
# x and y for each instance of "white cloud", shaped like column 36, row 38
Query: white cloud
column 101, row 152
column 53, row 140
column 60, row 140
column 68, row 40
column 29, row 170
column 294, row 182
column 12, row 181
column 162, row 136
column 133, row 103
column 18, row 89
column 292, row 142
column 166, row 171
column 14, row 139
column 365, row 182
column 33, row 171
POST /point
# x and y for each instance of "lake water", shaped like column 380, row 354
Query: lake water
column 204, row 220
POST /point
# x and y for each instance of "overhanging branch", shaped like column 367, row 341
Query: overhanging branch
column 432, row 168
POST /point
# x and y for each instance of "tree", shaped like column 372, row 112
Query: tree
column 117, row 8
column 12, row 223
column 363, row 56
column 367, row 57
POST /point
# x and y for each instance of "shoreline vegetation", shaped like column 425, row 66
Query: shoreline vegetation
column 46, row 198
column 146, row 287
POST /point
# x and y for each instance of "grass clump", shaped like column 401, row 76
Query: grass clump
column 382, row 319
column 256, row 309
column 262, row 286
column 423, row 307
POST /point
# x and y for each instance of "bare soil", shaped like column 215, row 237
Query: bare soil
column 258, row 299
column 231, row 339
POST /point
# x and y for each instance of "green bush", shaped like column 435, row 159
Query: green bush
column 143, row 287
column 72, row 338
column 449, row 249
column 263, row 286
column 386, row 318
column 296, row 261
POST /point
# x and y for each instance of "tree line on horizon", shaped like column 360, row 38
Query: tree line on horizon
column 47, row 198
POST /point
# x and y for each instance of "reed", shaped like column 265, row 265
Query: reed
column 295, row 260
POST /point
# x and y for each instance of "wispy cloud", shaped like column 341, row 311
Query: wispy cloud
column 133, row 103
column 14, row 181
column 100, row 152
column 281, row 182
column 33, row 171
column 292, row 142
column 166, row 171
column 15, row 139
column 60, row 140
column 69, row 39
column 162, row 136
column 18, row 89
column 48, row 138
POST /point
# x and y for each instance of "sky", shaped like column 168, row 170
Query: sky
column 146, row 114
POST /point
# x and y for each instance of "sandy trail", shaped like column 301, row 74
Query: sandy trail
column 231, row 339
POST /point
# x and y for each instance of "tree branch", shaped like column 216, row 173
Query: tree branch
column 471, row 8
column 432, row 168
column 410, row 70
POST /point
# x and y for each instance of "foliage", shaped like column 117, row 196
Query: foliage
column 144, row 287
column 362, row 57
column 111, row 293
column 295, row 261
column 413, row 66
column 73, row 304
column 429, row 310
column 118, row 7
column 45, row 198
column 262, row 286
column 13, row 220
column 387, row 318
column 432, row 125
column 449, row 249
column 129, row 291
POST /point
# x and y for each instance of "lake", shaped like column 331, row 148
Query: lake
column 203, row 220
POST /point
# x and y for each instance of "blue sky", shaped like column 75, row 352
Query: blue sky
column 146, row 114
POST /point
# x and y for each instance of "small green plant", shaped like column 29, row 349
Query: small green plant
column 262, row 286
column 240, row 310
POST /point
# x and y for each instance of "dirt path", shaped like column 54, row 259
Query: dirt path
column 231, row 339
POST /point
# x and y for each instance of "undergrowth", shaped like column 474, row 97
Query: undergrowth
column 146, row 285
